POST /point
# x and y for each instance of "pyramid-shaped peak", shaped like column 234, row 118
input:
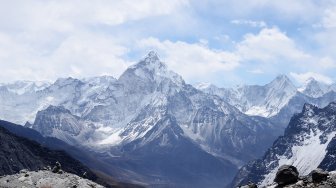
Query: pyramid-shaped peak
column 282, row 80
column 152, row 57
column 282, row 77
column 152, row 68
column 152, row 54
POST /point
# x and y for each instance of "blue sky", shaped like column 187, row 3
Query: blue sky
column 225, row 42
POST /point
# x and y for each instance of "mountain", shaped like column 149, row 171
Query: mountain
column 22, row 87
column 278, row 100
column 148, row 114
column 99, row 168
column 265, row 101
column 308, row 143
column 314, row 88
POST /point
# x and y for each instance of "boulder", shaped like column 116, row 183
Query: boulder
column 319, row 175
column 286, row 175
column 57, row 167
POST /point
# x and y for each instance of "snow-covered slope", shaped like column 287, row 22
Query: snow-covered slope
column 265, row 101
column 305, row 145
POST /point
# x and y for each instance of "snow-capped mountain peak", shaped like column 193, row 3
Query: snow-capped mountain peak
column 282, row 81
column 314, row 88
column 151, row 70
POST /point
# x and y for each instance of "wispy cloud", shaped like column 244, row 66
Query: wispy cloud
column 249, row 23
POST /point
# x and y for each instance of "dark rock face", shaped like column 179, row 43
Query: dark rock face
column 286, row 175
column 17, row 153
column 319, row 175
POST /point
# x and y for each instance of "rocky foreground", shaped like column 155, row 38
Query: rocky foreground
column 288, row 177
column 45, row 179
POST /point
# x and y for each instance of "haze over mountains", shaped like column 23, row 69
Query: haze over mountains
column 151, row 127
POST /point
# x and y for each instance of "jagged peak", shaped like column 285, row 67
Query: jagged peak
column 152, row 55
column 308, row 108
column 153, row 68
column 56, row 109
column 66, row 81
column 282, row 80
column 282, row 77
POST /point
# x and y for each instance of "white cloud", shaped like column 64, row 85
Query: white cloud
column 64, row 15
column 78, row 55
column 191, row 60
column 270, row 45
column 329, row 18
column 303, row 77
column 256, row 71
column 50, row 39
column 249, row 23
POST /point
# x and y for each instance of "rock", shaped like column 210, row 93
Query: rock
column 324, row 186
column 318, row 175
column 26, row 175
column 84, row 175
column 57, row 167
column 23, row 171
column 286, row 175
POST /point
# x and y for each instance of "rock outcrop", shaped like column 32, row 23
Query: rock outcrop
column 45, row 178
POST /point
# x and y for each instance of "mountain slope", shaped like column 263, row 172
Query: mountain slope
column 308, row 143
column 20, row 153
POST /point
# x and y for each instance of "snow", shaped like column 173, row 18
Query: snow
column 203, row 85
column 259, row 111
column 305, row 157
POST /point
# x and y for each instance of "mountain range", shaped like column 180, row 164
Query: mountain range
column 150, row 127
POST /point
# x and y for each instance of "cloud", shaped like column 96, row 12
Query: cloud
column 249, row 23
column 191, row 60
column 78, row 55
column 63, row 15
column 329, row 18
column 303, row 77
column 256, row 71
column 270, row 45
column 43, row 40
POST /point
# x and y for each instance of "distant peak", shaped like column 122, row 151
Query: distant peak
column 56, row 109
column 282, row 80
column 282, row 77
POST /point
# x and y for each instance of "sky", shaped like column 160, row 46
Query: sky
column 224, row 42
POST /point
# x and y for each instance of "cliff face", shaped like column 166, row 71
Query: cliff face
column 17, row 153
